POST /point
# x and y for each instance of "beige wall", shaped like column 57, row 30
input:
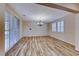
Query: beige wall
column 23, row 24
column 1, row 29
column 77, row 32
column 69, row 33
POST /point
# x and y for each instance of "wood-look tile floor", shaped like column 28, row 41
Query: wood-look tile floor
column 42, row 46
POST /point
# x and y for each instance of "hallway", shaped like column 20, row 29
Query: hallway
column 42, row 46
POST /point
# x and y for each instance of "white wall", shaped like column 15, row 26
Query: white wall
column 36, row 30
column 77, row 32
column 69, row 33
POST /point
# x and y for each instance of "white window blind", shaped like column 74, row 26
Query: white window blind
column 58, row 26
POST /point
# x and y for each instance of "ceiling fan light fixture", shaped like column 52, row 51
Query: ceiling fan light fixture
column 40, row 23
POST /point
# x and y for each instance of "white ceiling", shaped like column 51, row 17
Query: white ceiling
column 34, row 12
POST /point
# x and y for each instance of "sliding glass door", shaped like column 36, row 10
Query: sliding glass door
column 11, row 30
column 7, row 33
column 14, row 31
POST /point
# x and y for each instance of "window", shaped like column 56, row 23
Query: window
column 58, row 26
column 54, row 27
column 62, row 26
column 14, row 30
column 11, row 30
column 7, row 31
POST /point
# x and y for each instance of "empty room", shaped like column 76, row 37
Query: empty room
column 41, row 29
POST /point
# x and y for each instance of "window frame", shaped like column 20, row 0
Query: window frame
column 59, row 28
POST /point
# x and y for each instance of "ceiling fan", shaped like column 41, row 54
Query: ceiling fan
column 40, row 23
